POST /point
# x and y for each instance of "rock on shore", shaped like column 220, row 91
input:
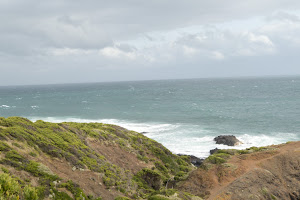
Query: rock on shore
column 229, row 140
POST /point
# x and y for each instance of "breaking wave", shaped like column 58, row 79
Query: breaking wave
column 184, row 138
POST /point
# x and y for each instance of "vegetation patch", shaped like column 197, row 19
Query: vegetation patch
column 11, row 188
column 68, row 142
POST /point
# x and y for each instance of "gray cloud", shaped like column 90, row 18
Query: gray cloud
column 76, row 41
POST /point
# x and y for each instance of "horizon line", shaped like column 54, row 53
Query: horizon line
column 166, row 79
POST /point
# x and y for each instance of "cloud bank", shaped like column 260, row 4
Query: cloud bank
column 90, row 41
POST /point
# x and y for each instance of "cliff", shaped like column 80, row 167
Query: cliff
column 42, row 160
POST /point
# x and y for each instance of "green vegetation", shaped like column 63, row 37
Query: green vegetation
column 158, row 197
column 222, row 155
column 124, row 164
column 10, row 188
column 122, row 198
column 265, row 192
column 24, row 144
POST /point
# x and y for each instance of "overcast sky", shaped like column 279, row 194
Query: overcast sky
column 61, row 41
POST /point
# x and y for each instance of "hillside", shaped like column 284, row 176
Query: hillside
column 42, row 160
column 83, row 161
column 256, row 173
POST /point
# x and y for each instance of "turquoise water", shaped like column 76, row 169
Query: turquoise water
column 184, row 115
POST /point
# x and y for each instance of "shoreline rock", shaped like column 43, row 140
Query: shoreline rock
column 197, row 162
column 213, row 151
column 229, row 140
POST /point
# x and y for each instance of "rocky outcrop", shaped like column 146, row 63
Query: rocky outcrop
column 213, row 151
column 229, row 140
column 194, row 160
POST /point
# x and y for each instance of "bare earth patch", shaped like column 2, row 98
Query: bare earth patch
column 270, row 174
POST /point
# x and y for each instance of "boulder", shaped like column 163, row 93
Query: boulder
column 229, row 140
column 194, row 160
column 213, row 151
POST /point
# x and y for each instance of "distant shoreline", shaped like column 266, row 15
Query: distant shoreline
column 150, row 80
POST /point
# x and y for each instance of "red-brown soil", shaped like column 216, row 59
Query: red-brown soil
column 271, row 174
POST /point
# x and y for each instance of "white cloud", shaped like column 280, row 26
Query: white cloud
column 69, row 51
column 218, row 44
column 259, row 39
column 254, row 44
column 114, row 52
column 218, row 55
column 63, row 35
column 284, row 28
column 189, row 51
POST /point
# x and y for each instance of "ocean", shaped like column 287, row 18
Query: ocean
column 183, row 115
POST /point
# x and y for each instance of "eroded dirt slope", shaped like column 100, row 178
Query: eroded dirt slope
column 270, row 174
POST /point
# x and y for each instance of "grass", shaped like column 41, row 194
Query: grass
column 10, row 188
column 23, row 140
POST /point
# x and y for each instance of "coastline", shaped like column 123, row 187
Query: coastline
column 105, row 161
column 173, row 135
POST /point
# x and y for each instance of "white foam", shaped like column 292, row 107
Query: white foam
column 7, row 107
column 184, row 138
column 4, row 106
column 151, row 128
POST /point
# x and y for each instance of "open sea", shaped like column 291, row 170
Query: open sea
column 183, row 115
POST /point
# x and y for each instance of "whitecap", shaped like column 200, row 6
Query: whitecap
column 131, row 88
column 5, row 106
column 34, row 107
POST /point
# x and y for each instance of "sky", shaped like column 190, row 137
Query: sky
column 74, row 41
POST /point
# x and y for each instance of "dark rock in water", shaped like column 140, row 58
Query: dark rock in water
column 144, row 133
column 213, row 151
column 229, row 140
column 194, row 160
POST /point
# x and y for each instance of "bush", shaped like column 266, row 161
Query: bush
column 216, row 160
column 158, row 197
column 122, row 198
column 74, row 189
column 243, row 151
column 30, row 193
column 11, row 189
column 179, row 176
column 33, row 154
column 13, row 155
column 222, row 155
column 4, row 147
column 148, row 179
